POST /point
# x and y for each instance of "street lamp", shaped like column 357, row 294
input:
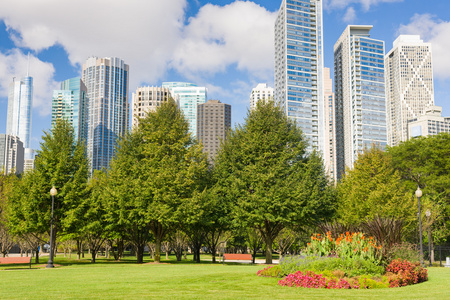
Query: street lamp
column 428, row 214
column 418, row 195
column 53, row 192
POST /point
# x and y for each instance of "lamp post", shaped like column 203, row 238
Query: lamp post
column 53, row 192
column 428, row 214
column 418, row 195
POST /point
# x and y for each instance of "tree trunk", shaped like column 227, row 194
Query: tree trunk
column 157, row 249
column 269, row 242
column 37, row 255
column 94, row 254
column 79, row 249
column 140, row 254
column 213, row 253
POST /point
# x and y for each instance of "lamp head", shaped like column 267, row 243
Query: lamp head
column 418, row 192
column 428, row 213
column 53, row 191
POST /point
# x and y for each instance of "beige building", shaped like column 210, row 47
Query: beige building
column 213, row 123
column 261, row 91
column 430, row 123
column 11, row 154
column 330, row 136
column 147, row 99
column 409, row 84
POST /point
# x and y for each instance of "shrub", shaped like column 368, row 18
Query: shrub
column 311, row 280
column 404, row 251
column 270, row 271
column 350, row 267
column 405, row 273
column 374, row 282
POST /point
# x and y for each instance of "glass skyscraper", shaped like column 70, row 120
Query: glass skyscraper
column 20, row 101
column 70, row 103
column 188, row 96
column 360, row 106
column 299, row 67
column 106, row 80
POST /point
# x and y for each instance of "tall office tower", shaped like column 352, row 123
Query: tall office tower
column 69, row 103
column 409, row 84
column 329, row 154
column 359, row 92
column 147, row 99
column 299, row 67
column 430, row 123
column 20, row 101
column 214, row 121
column 188, row 96
column 11, row 154
column 261, row 91
column 106, row 80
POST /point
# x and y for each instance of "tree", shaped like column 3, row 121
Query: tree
column 61, row 162
column 425, row 162
column 270, row 179
column 158, row 166
column 374, row 188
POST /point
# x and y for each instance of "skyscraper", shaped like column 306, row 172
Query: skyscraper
column 106, row 80
column 430, row 123
column 214, row 121
column 299, row 67
column 261, row 91
column 329, row 155
column 11, row 154
column 360, row 94
column 409, row 84
column 188, row 96
column 20, row 101
column 147, row 99
column 69, row 103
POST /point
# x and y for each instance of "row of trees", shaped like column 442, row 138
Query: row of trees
column 264, row 188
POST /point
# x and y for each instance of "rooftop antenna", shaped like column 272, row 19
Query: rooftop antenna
column 28, row 64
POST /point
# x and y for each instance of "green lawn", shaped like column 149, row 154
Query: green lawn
column 113, row 280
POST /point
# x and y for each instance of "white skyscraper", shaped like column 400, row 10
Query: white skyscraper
column 106, row 80
column 329, row 155
column 11, row 154
column 299, row 67
column 261, row 91
column 360, row 106
column 409, row 84
column 20, row 101
column 146, row 99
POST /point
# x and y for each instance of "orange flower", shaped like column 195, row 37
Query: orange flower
column 309, row 244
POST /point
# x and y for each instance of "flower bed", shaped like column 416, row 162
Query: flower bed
column 405, row 273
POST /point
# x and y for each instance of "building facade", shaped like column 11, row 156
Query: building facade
column 360, row 104
column 329, row 156
column 188, row 96
column 106, row 80
column 214, row 121
column 260, row 92
column 429, row 123
column 299, row 67
column 11, row 154
column 69, row 103
column 147, row 99
column 409, row 84
column 20, row 101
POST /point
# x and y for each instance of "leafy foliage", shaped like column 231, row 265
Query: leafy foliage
column 406, row 273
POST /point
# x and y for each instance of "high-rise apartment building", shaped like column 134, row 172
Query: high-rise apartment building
column 409, row 84
column 329, row 156
column 147, row 99
column 106, row 80
column 299, row 67
column 188, row 96
column 214, row 121
column 430, row 123
column 360, row 106
column 11, row 154
column 20, row 101
column 260, row 92
column 69, row 103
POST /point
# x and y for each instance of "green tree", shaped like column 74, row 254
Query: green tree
column 374, row 188
column 269, row 177
column 61, row 162
column 158, row 167
column 425, row 162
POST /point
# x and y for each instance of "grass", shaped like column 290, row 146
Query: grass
column 186, row 280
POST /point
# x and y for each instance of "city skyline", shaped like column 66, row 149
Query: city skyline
column 203, row 47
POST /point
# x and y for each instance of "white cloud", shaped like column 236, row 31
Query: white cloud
column 350, row 15
column 15, row 63
column 365, row 4
column 437, row 32
column 240, row 34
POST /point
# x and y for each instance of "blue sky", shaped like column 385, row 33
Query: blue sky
column 224, row 45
